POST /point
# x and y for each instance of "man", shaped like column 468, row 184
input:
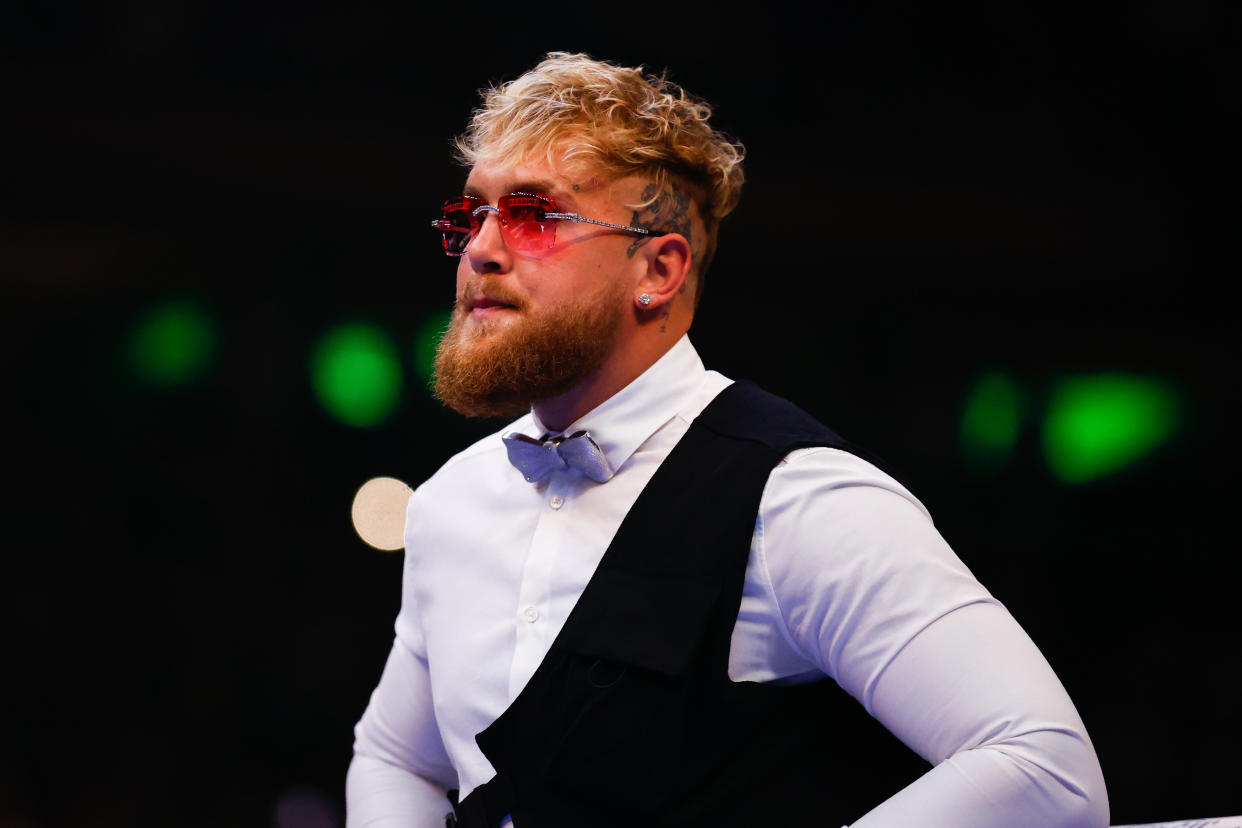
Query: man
column 627, row 625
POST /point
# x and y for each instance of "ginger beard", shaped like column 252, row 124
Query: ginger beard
column 500, row 369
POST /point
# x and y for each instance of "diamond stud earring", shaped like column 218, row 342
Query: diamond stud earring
column 644, row 299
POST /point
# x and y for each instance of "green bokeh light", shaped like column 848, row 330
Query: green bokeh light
column 173, row 344
column 356, row 374
column 1099, row 424
column 425, row 341
column 991, row 419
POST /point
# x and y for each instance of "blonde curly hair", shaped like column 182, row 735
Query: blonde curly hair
column 574, row 109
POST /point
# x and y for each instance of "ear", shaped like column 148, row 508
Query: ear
column 664, row 269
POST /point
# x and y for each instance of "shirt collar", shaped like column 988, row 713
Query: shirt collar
column 624, row 421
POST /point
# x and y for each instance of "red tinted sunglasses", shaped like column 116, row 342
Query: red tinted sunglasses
column 527, row 222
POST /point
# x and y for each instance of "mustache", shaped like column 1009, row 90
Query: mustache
column 476, row 287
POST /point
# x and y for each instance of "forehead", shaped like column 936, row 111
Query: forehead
column 492, row 179
column 572, row 187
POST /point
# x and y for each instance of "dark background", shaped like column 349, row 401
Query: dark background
column 194, row 627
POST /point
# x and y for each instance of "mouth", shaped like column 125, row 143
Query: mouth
column 486, row 305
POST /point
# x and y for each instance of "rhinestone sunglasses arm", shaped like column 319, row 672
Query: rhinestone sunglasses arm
column 443, row 224
column 576, row 218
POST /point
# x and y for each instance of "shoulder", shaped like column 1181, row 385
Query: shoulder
column 474, row 465
column 745, row 411
column 820, row 471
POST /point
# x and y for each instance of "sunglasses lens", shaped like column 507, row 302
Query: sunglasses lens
column 526, row 223
column 457, row 224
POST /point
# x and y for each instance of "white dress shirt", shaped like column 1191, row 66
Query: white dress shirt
column 847, row 577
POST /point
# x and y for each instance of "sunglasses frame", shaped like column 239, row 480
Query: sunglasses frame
column 445, row 226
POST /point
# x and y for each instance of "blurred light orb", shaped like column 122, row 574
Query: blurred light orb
column 172, row 344
column 379, row 513
column 991, row 421
column 426, row 340
column 356, row 375
column 1099, row 424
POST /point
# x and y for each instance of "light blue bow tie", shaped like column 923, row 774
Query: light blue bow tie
column 536, row 459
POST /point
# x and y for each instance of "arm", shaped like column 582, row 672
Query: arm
column 871, row 595
column 973, row 695
column 400, row 771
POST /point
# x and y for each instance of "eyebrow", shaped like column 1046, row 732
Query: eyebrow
column 548, row 188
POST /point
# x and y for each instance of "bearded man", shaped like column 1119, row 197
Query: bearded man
column 626, row 607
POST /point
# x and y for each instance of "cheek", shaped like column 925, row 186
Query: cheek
column 463, row 274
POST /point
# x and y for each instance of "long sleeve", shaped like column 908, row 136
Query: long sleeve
column 869, row 593
column 400, row 771
column 973, row 695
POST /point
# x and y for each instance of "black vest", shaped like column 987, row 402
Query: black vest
column 631, row 718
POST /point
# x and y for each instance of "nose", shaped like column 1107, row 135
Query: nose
column 487, row 251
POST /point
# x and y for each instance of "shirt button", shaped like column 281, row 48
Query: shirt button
column 531, row 615
column 556, row 502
